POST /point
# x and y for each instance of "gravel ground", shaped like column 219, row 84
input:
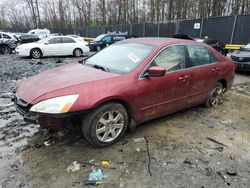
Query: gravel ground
column 199, row 147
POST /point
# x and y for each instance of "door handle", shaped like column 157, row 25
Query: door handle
column 215, row 69
column 183, row 78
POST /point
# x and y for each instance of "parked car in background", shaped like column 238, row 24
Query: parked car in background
column 125, row 84
column 26, row 38
column 241, row 58
column 105, row 40
column 56, row 34
column 210, row 41
column 40, row 32
column 8, row 42
column 214, row 43
column 53, row 46
column 79, row 38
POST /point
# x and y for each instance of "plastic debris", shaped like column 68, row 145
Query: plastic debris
column 74, row 167
column 140, row 139
column 96, row 175
column 105, row 163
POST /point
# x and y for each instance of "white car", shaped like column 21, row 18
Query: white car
column 53, row 46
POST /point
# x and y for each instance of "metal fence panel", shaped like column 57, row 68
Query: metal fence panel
column 242, row 30
column 187, row 27
column 168, row 29
column 219, row 28
column 125, row 28
column 137, row 30
column 151, row 30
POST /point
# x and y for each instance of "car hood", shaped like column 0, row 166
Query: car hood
column 241, row 53
column 29, row 45
column 59, row 78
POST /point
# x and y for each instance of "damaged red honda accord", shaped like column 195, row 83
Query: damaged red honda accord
column 128, row 83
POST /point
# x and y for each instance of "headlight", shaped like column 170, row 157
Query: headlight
column 55, row 105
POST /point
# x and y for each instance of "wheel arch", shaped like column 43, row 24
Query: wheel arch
column 223, row 82
column 123, row 102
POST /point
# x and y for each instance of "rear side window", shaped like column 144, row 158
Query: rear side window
column 171, row 58
column 67, row 40
column 55, row 40
column 200, row 55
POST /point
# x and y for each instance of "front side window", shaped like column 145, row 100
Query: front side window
column 200, row 55
column 171, row 58
column 107, row 39
column 120, row 58
column 55, row 40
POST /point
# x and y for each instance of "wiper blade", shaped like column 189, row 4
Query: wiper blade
column 98, row 67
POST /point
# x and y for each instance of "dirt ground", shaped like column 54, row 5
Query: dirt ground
column 199, row 147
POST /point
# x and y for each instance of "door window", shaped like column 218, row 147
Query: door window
column 6, row 36
column 107, row 39
column 200, row 55
column 171, row 58
column 55, row 40
column 67, row 40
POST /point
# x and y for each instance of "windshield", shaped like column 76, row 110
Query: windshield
column 99, row 37
column 247, row 46
column 120, row 58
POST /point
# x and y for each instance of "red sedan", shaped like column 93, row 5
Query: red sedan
column 128, row 83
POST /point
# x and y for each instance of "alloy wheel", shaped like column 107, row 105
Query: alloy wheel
column 109, row 126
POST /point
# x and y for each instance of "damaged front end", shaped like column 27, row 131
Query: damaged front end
column 53, row 125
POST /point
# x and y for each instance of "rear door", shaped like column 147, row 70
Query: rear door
column 68, row 45
column 204, row 74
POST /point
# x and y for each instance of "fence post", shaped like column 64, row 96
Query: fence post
column 233, row 30
column 201, row 29
column 177, row 27
column 143, row 30
column 158, row 29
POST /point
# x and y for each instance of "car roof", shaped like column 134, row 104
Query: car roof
column 159, row 41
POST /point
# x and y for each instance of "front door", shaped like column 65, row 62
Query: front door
column 167, row 94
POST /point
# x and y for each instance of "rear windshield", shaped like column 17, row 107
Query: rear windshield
column 121, row 58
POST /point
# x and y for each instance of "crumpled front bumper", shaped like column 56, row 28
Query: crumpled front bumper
column 23, row 108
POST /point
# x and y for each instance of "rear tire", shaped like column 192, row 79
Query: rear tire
column 215, row 96
column 105, row 125
column 36, row 53
column 77, row 52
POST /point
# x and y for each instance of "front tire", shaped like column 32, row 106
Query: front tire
column 36, row 53
column 98, row 48
column 105, row 125
column 215, row 96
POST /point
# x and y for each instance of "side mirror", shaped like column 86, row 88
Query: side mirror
column 46, row 43
column 155, row 71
